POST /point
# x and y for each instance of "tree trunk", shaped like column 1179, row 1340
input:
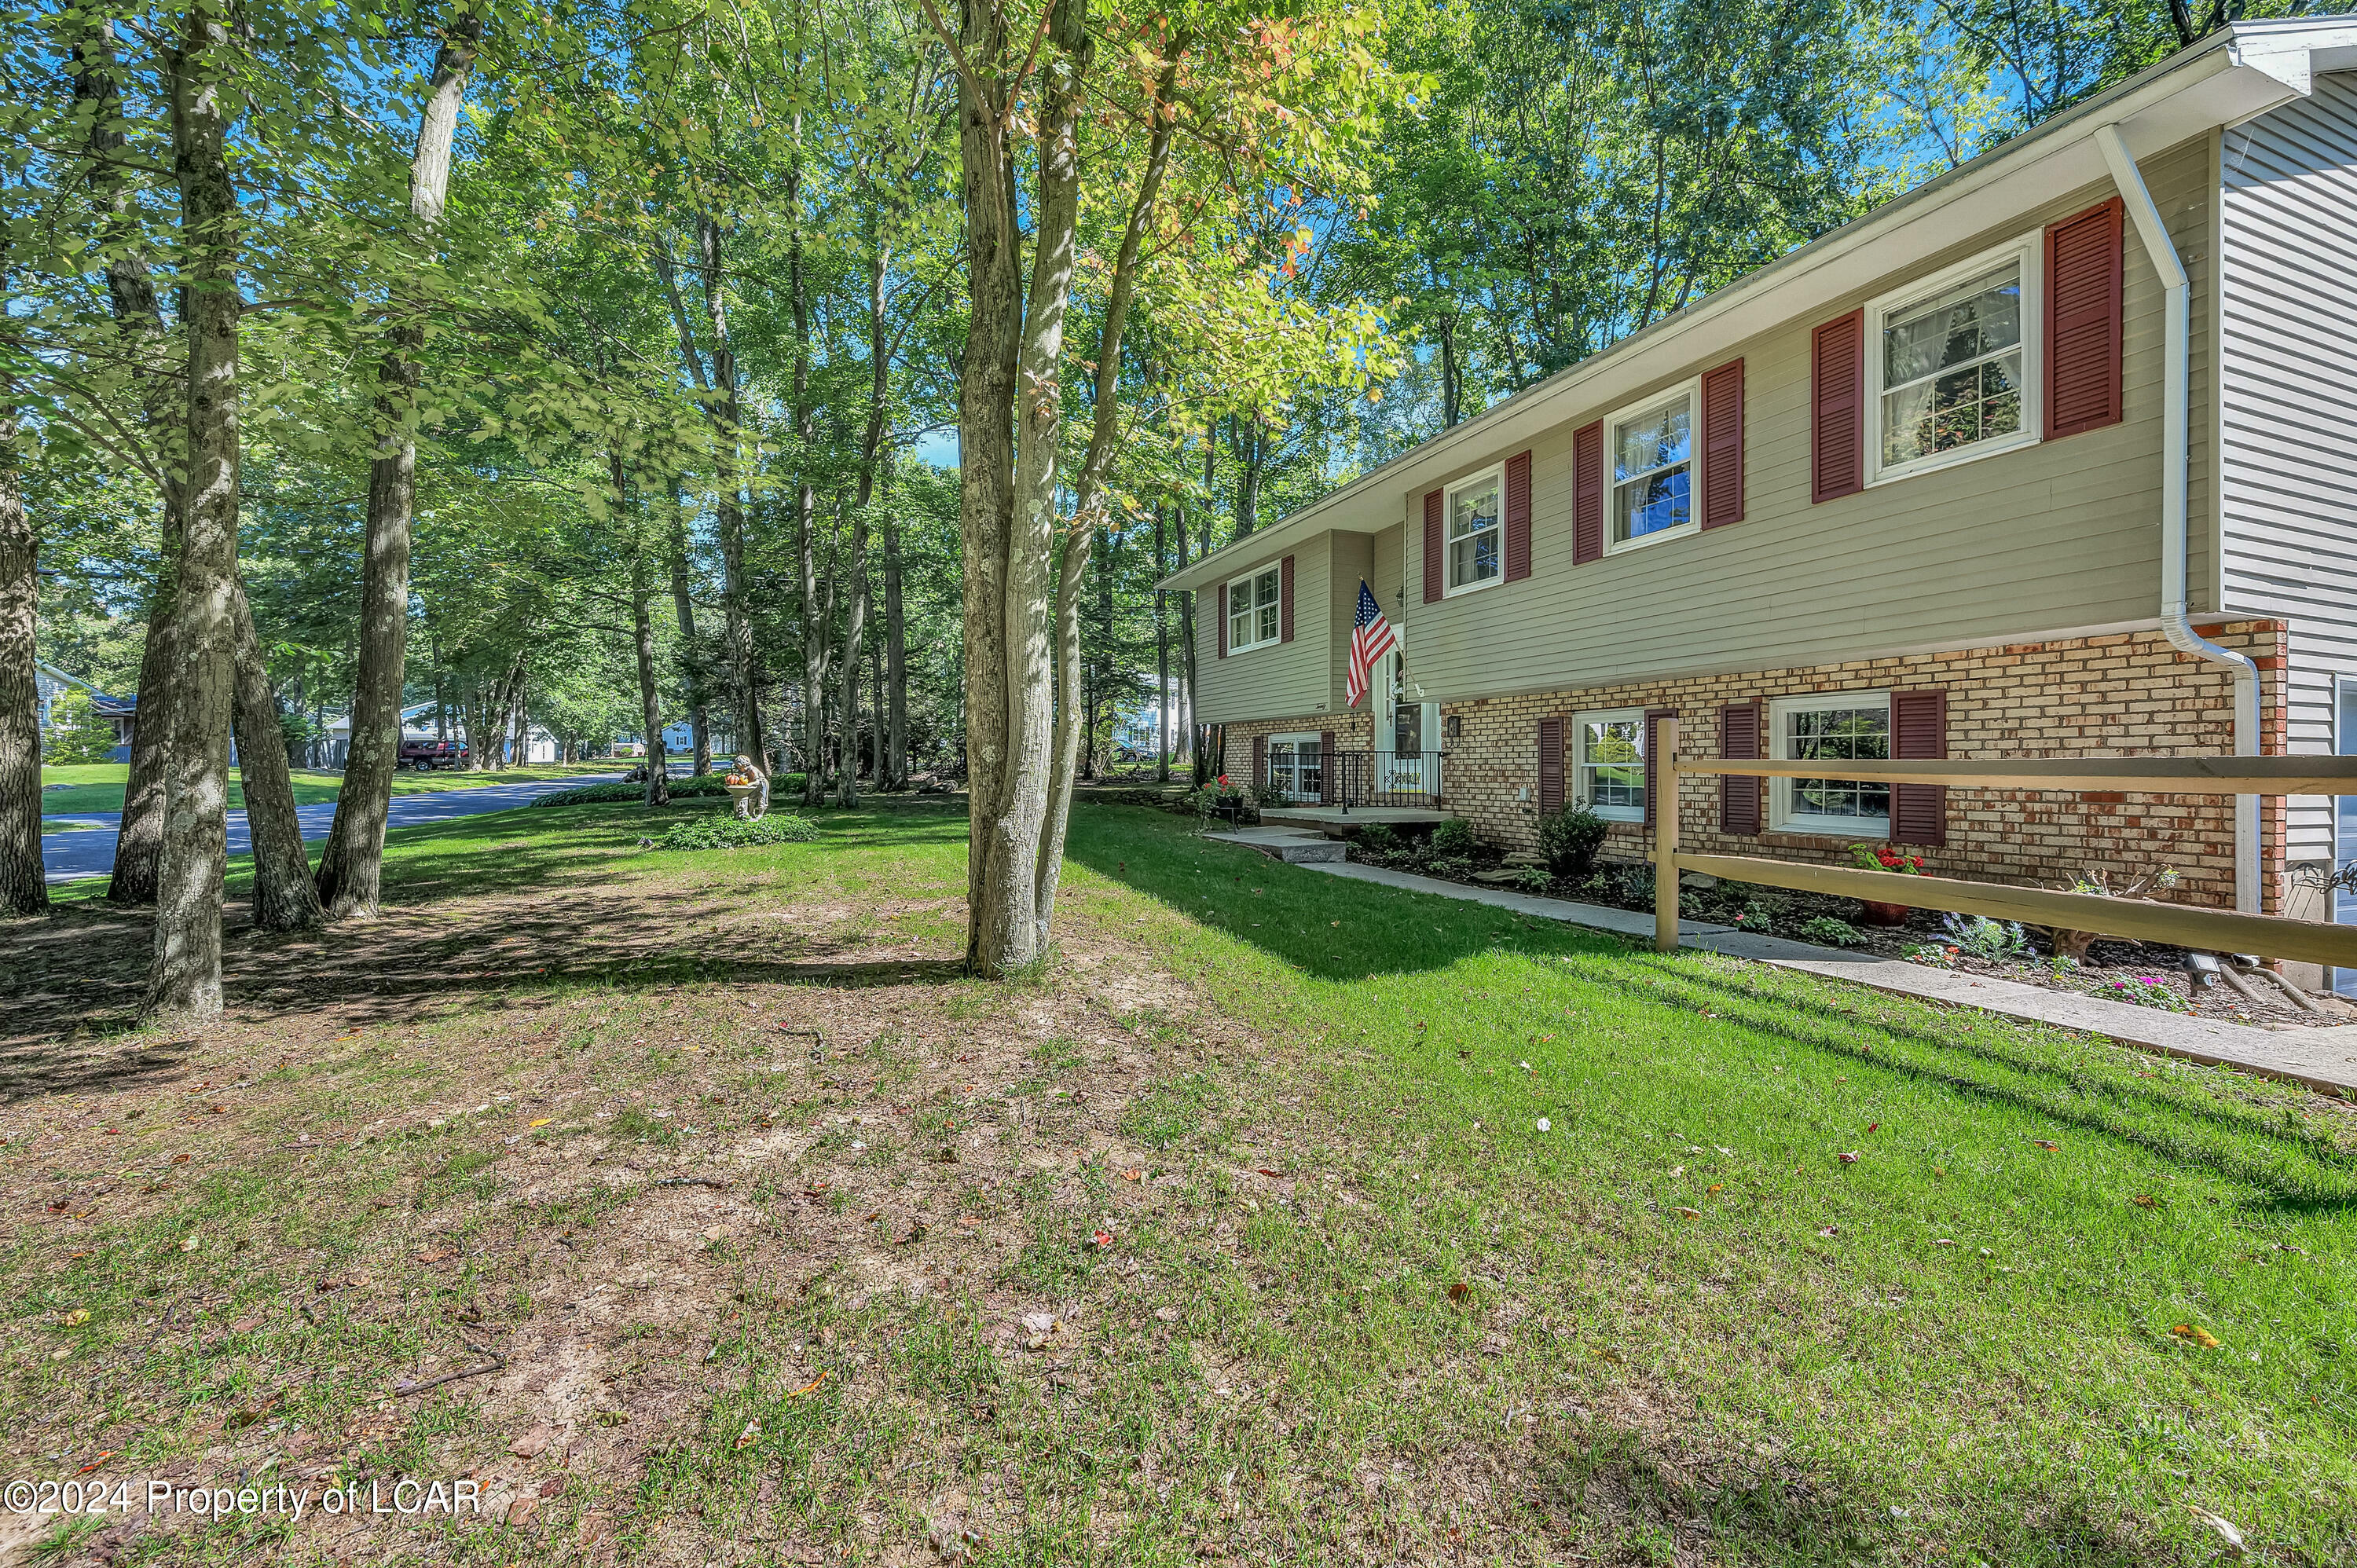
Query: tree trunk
column 141, row 339
column 184, row 981
column 24, row 885
column 818, row 612
column 351, row 865
column 1161, row 656
column 1089, row 502
column 283, row 896
column 730, row 503
column 643, row 638
column 896, row 654
column 690, row 656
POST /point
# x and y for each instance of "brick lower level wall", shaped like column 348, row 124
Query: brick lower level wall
column 2123, row 695
column 1354, row 730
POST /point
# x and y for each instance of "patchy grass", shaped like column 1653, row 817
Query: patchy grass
column 98, row 787
column 777, row 1240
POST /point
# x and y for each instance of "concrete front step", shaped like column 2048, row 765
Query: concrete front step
column 1291, row 845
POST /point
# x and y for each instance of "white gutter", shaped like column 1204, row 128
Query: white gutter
column 2176, row 623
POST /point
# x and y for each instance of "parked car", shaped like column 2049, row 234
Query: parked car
column 424, row 755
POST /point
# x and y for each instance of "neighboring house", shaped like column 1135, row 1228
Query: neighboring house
column 1964, row 477
column 49, row 683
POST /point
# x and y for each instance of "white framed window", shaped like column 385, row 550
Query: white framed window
column 1651, row 448
column 1297, row 766
column 1473, row 513
column 1853, row 726
column 1608, row 763
column 1256, row 615
column 1953, row 364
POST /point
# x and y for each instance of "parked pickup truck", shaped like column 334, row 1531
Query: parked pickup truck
column 423, row 755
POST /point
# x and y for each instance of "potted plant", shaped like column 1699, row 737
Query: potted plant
column 1882, row 857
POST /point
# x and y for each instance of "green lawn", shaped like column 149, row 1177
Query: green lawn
column 98, row 787
column 1359, row 1305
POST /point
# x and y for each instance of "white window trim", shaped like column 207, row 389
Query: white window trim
column 1294, row 739
column 2030, row 250
column 1692, row 392
column 1248, row 579
column 1780, row 795
column 1448, row 504
column 1579, row 723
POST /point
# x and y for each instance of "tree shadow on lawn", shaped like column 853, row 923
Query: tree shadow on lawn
column 463, row 920
column 1288, row 913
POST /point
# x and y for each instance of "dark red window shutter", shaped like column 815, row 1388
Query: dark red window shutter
column 1919, row 732
column 1739, row 740
column 1432, row 553
column 1837, row 401
column 1518, row 517
column 1653, row 717
column 1550, row 766
column 1722, row 446
column 1284, row 600
column 2083, row 321
column 1588, row 493
column 1325, row 767
column 1223, row 620
column 1260, row 761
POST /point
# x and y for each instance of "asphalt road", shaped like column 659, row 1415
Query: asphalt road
column 91, row 852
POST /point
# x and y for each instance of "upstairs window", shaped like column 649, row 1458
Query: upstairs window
column 1652, row 450
column 1951, row 363
column 1254, row 613
column 1475, row 542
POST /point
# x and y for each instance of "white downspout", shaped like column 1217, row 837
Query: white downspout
column 2175, row 622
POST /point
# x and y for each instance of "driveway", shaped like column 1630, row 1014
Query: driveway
column 90, row 852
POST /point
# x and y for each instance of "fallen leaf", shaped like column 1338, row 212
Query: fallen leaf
column 533, row 1443
column 1101, row 1239
column 179, row 1159
column 1716, row 1186
column 1275, row 1175
column 552, row 1486
column 2045, row 1143
column 2144, row 1200
column 245, row 1326
column 1167, row 1314
column 750, row 1435
column 2227, row 1533
column 1848, row 1156
column 1690, row 1213
column 2196, row 1333
column 76, row 1318
column 436, row 1255
column 1874, row 1126
column 1460, row 1291
column 1944, row 1241
column 1133, row 1175
column 520, row 1510
column 1677, row 1170
column 544, row 1122
column 1829, row 1230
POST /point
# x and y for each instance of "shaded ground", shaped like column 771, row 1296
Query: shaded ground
column 748, row 1232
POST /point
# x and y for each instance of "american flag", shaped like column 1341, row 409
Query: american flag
column 1373, row 639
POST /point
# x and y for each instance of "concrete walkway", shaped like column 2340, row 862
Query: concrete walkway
column 91, row 852
column 2324, row 1058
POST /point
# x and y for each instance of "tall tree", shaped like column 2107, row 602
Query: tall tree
column 351, row 867
column 24, row 886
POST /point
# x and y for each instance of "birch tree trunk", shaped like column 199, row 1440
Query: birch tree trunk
column 24, row 885
column 352, row 867
column 184, row 978
column 283, row 896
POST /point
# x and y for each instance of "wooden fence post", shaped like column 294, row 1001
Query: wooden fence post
column 1665, row 836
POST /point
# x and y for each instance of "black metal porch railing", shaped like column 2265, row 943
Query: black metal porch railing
column 1347, row 779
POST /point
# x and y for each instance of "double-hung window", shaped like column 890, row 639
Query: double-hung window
column 1652, row 450
column 1849, row 726
column 1951, row 364
column 1254, row 614
column 1608, row 763
column 1476, row 542
column 1297, row 766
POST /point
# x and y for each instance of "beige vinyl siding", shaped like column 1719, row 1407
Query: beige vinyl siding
column 1390, row 570
column 1281, row 679
column 2059, row 535
column 1352, row 558
column 2288, row 300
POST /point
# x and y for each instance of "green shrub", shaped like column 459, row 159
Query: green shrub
column 1378, row 839
column 1455, row 839
column 720, row 830
column 1754, row 917
column 1533, row 880
column 1830, row 931
column 701, row 786
column 1991, row 941
column 1569, row 838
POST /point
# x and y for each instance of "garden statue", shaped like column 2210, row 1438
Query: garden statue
column 749, row 785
